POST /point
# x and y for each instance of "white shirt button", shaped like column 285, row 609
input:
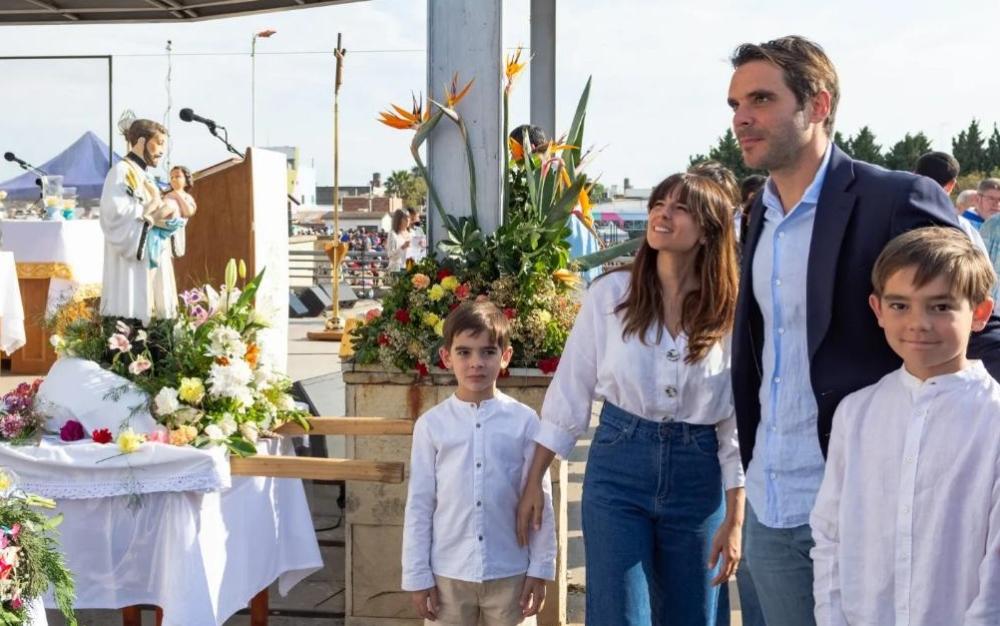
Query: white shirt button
column 773, row 476
column 777, row 379
column 673, row 355
column 671, row 391
column 777, row 281
column 781, row 331
column 781, row 235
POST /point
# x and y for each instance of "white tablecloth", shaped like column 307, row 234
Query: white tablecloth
column 200, row 557
column 79, row 244
column 11, row 311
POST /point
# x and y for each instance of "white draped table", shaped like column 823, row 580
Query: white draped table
column 200, row 556
column 57, row 262
column 11, row 310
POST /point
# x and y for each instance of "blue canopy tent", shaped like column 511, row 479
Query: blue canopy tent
column 84, row 165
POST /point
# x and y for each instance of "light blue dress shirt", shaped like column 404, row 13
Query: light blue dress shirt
column 787, row 466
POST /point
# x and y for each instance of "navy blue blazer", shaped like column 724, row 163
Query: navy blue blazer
column 861, row 207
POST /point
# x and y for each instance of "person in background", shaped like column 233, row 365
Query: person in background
column 987, row 202
column 943, row 169
column 749, row 187
column 398, row 241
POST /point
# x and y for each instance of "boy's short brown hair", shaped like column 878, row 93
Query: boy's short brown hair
column 477, row 317
column 937, row 251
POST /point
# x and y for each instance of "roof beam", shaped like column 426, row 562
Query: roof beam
column 53, row 9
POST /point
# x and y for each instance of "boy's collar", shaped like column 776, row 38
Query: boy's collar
column 974, row 370
column 497, row 398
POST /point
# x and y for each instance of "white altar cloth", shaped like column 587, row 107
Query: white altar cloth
column 11, row 310
column 84, row 469
column 77, row 244
column 199, row 556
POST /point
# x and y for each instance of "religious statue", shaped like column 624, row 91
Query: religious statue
column 141, row 231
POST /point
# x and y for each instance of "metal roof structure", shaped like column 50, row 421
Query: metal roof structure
column 112, row 11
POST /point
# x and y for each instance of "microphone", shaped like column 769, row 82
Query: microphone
column 9, row 156
column 188, row 115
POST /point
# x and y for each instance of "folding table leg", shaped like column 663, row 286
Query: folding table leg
column 258, row 609
column 131, row 616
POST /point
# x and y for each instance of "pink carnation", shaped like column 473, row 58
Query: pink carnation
column 159, row 435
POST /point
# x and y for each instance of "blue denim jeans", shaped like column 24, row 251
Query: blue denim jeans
column 782, row 571
column 749, row 603
column 652, row 502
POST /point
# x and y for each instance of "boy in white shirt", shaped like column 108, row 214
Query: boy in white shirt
column 468, row 464
column 907, row 520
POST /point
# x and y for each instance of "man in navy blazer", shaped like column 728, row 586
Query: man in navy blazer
column 804, row 335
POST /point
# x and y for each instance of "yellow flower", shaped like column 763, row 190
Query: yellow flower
column 183, row 435
column 430, row 319
column 544, row 316
column 566, row 277
column 129, row 440
column 403, row 119
column 439, row 328
column 436, row 293
column 516, row 149
column 420, row 281
column 5, row 481
column 192, row 390
column 513, row 67
column 450, row 283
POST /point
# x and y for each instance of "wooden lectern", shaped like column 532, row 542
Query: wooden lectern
column 243, row 214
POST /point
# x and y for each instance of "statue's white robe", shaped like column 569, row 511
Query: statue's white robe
column 130, row 206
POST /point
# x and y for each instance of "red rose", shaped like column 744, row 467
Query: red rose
column 549, row 365
column 453, row 306
column 443, row 273
column 383, row 339
column 510, row 313
column 422, row 369
column 403, row 316
column 101, row 435
column 462, row 291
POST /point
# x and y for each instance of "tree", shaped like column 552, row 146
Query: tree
column 993, row 151
column 968, row 149
column 409, row 186
column 904, row 153
column 397, row 183
column 864, row 148
column 726, row 151
column 841, row 142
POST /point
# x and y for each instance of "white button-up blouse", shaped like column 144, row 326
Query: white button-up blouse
column 650, row 379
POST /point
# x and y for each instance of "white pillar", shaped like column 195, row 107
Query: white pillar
column 543, row 66
column 465, row 37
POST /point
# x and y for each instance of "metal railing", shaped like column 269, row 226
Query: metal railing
column 365, row 271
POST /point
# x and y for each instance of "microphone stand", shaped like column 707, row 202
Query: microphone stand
column 225, row 139
column 28, row 167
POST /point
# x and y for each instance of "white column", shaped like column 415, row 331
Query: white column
column 465, row 37
column 543, row 66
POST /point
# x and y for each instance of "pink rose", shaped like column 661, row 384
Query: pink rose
column 119, row 343
column 159, row 435
column 139, row 366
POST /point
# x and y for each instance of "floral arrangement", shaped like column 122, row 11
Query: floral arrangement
column 407, row 333
column 524, row 266
column 30, row 559
column 208, row 381
column 19, row 419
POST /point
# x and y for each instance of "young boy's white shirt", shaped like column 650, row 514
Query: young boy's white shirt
column 907, row 520
column 468, row 466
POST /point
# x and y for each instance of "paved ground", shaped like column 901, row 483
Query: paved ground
column 323, row 592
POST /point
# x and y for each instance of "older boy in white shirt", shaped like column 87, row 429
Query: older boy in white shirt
column 469, row 461
column 907, row 521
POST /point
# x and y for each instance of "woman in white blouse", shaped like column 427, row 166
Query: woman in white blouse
column 663, row 490
column 398, row 240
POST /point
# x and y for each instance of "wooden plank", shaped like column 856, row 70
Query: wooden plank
column 317, row 468
column 351, row 426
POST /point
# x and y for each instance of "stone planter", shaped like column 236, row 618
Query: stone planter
column 374, row 511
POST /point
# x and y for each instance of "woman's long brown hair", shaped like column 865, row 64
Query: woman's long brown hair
column 707, row 312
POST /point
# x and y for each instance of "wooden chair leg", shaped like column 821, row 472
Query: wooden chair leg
column 159, row 616
column 258, row 609
column 131, row 616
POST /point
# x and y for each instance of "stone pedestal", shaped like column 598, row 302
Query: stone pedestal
column 374, row 511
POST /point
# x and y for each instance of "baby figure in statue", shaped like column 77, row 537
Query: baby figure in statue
column 179, row 200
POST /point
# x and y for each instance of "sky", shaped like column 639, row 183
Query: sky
column 660, row 75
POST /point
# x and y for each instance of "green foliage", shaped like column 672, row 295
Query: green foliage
column 968, row 148
column 862, row 146
column 903, row 155
column 41, row 562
